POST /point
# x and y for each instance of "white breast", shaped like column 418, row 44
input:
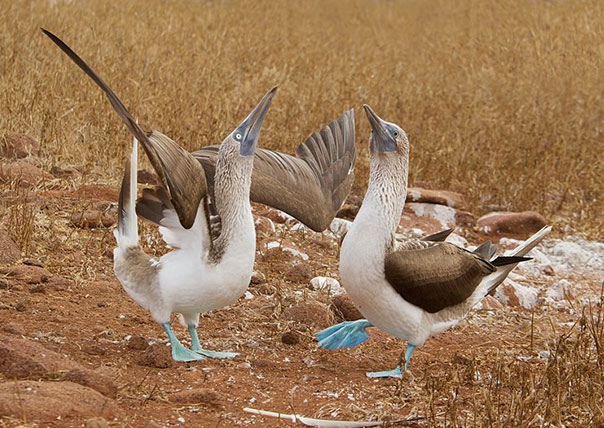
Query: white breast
column 192, row 284
column 362, row 271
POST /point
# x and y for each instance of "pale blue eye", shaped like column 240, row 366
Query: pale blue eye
column 238, row 136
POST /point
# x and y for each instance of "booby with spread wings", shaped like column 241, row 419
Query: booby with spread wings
column 414, row 288
column 205, row 272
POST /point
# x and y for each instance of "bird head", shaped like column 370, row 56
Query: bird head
column 386, row 138
column 245, row 137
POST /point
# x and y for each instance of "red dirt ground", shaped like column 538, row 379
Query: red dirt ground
column 77, row 308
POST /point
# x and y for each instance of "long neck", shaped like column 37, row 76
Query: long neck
column 232, row 198
column 386, row 193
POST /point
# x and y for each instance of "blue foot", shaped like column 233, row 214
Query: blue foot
column 179, row 352
column 389, row 373
column 397, row 372
column 347, row 334
column 216, row 354
column 196, row 346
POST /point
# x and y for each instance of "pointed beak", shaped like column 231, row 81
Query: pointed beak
column 251, row 126
column 381, row 140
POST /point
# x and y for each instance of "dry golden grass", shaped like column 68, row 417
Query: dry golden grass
column 502, row 100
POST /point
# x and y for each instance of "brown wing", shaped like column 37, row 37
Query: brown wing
column 179, row 172
column 436, row 277
column 311, row 186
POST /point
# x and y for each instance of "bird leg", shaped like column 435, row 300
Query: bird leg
column 196, row 346
column 179, row 352
column 397, row 372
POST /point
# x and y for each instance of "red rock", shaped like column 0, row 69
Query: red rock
column 96, row 192
column 19, row 146
column 89, row 219
column 439, row 197
column 68, row 172
column 138, row 342
column 520, row 223
column 25, row 359
column 465, row 219
column 309, row 313
column 10, row 250
column 344, row 309
column 299, row 273
column 197, row 396
column 23, row 173
column 49, row 401
column 257, row 278
column 92, row 379
column 158, row 356
column 27, row 273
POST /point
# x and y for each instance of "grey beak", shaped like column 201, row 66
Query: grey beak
column 381, row 139
column 249, row 130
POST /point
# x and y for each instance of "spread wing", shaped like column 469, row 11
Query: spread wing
column 310, row 186
column 180, row 174
column 435, row 275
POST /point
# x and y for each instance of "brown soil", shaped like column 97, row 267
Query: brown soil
column 91, row 352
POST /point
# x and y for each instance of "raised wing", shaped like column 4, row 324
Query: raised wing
column 437, row 276
column 179, row 172
column 310, row 186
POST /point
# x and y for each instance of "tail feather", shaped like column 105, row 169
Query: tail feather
column 438, row 236
column 486, row 250
column 496, row 278
column 127, row 228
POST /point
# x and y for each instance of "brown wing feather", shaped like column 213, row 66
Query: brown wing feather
column 178, row 171
column 311, row 186
column 436, row 277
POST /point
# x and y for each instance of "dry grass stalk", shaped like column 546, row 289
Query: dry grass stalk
column 502, row 99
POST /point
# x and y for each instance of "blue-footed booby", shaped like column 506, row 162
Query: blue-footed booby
column 208, row 270
column 413, row 288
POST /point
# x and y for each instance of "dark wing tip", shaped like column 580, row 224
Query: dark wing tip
column 509, row 260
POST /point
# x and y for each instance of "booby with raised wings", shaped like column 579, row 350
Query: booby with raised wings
column 205, row 271
column 414, row 288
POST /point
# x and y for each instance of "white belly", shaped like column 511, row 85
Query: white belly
column 362, row 272
column 189, row 286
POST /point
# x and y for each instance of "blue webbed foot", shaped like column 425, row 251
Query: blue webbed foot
column 347, row 334
column 180, row 353
column 196, row 346
column 397, row 372
column 216, row 354
column 389, row 373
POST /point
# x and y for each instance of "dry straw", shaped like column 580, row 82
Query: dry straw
column 502, row 100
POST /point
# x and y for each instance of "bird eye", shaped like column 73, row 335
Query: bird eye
column 395, row 133
column 238, row 136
